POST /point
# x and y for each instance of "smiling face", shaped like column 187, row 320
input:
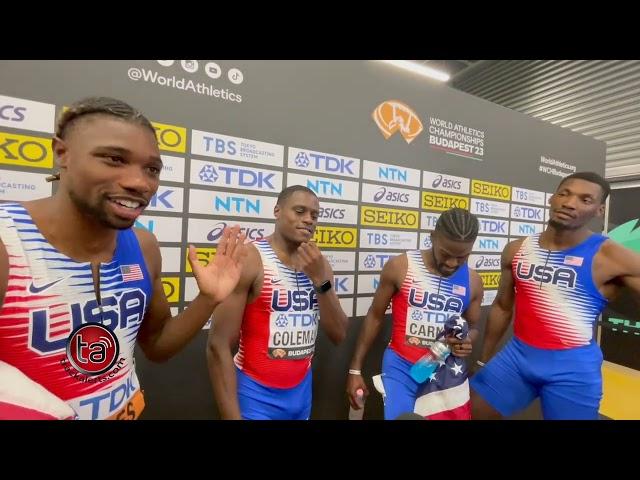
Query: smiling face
column 297, row 216
column 575, row 203
column 110, row 168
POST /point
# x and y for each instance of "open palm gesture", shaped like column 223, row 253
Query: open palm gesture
column 218, row 279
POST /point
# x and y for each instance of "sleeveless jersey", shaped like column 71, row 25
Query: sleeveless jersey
column 279, row 329
column 422, row 305
column 49, row 296
column 556, row 301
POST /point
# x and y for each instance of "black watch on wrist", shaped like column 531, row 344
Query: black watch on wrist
column 323, row 288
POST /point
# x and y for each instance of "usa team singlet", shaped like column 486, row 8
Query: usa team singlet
column 49, row 296
column 279, row 329
column 557, row 302
column 423, row 304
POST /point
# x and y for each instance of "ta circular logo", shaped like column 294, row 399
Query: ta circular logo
column 92, row 348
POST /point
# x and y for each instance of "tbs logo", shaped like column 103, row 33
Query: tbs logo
column 92, row 349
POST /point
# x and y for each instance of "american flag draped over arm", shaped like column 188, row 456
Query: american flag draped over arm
column 445, row 395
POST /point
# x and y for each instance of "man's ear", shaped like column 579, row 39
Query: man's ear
column 60, row 152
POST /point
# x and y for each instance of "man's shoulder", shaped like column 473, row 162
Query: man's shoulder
column 513, row 246
column 146, row 239
column 252, row 263
column 398, row 261
column 612, row 250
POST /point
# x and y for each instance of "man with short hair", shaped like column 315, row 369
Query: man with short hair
column 555, row 284
column 285, row 292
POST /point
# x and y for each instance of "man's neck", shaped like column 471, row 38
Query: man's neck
column 285, row 250
column 73, row 233
column 554, row 238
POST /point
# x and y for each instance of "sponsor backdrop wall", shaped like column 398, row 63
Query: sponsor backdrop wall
column 385, row 151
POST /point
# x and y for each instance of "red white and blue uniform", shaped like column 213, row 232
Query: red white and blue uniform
column 419, row 311
column 277, row 343
column 552, row 354
column 49, row 295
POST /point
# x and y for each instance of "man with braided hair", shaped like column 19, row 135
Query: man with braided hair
column 79, row 286
column 426, row 288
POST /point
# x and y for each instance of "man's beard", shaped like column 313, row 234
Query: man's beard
column 96, row 213
column 561, row 226
column 439, row 266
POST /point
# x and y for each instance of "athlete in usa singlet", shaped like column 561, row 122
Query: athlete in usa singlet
column 419, row 310
column 277, row 343
column 557, row 303
column 49, row 296
column 553, row 353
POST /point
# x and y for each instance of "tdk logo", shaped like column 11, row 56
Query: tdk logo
column 390, row 196
column 236, row 205
column 325, row 163
column 446, row 183
column 427, row 242
column 12, row 113
column 528, row 213
column 235, row 176
column 209, row 174
column 493, row 226
column 281, row 321
column 392, row 173
column 372, row 261
column 302, row 160
column 325, row 187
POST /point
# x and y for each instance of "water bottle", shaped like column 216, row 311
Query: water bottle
column 429, row 362
column 357, row 414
